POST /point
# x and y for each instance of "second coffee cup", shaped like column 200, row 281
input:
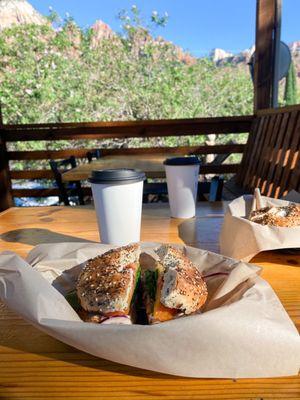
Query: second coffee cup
column 182, row 179
column 118, row 195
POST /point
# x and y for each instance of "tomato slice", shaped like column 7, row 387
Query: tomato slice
column 115, row 314
column 160, row 312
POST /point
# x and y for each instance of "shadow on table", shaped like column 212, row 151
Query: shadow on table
column 290, row 258
column 201, row 232
column 39, row 343
column 35, row 236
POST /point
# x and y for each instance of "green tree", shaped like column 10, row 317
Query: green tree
column 67, row 74
column 290, row 94
column 60, row 72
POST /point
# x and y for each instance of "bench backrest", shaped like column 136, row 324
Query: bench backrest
column 271, row 160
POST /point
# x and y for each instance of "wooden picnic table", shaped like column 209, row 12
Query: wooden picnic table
column 34, row 365
column 151, row 164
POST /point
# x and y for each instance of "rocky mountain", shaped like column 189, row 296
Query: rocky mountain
column 101, row 31
column 14, row 12
column 222, row 57
column 218, row 55
column 18, row 12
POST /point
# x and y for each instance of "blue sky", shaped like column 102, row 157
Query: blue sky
column 195, row 25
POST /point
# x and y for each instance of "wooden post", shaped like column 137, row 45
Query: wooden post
column 5, row 182
column 264, row 53
column 277, row 34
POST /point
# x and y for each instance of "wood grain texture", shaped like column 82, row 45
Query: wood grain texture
column 244, row 174
column 81, row 153
column 44, row 192
column 151, row 164
column 35, row 366
column 257, row 151
column 5, row 183
column 271, row 160
column 285, row 147
column 279, row 110
column 264, row 53
column 267, row 167
column 151, row 168
column 125, row 129
column 274, row 153
column 261, row 166
column 32, row 174
column 129, row 124
column 292, row 156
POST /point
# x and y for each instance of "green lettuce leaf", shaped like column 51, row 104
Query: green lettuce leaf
column 151, row 283
column 73, row 300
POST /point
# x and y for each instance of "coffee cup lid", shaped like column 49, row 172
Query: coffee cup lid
column 118, row 175
column 193, row 160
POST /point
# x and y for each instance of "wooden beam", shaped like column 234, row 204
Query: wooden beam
column 44, row 192
column 281, row 110
column 128, row 129
column 129, row 124
column 48, row 174
column 276, row 56
column 81, row 153
column 5, row 183
column 264, row 53
column 32, row 174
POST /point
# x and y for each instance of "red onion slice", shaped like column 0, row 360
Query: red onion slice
column 120, row 319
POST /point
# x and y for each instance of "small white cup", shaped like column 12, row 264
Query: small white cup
column 182, row 179
column 118, row 197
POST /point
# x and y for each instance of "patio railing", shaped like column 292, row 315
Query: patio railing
column 104, row 130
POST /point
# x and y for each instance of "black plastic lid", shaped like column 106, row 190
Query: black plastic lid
column 193, row 160
column 120, row 176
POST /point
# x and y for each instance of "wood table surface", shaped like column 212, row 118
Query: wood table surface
column 33, row 365
column 151, row 164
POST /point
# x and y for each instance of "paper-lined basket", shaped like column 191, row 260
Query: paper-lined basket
column 243, row 239
column 243, row 332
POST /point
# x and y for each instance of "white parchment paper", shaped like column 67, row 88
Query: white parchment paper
column 243, row 332
column 243, row 239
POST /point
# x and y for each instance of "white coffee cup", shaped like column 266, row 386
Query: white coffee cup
column 182, row 179
column 118, row 196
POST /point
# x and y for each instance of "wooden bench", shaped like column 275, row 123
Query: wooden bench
column 271, row 160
